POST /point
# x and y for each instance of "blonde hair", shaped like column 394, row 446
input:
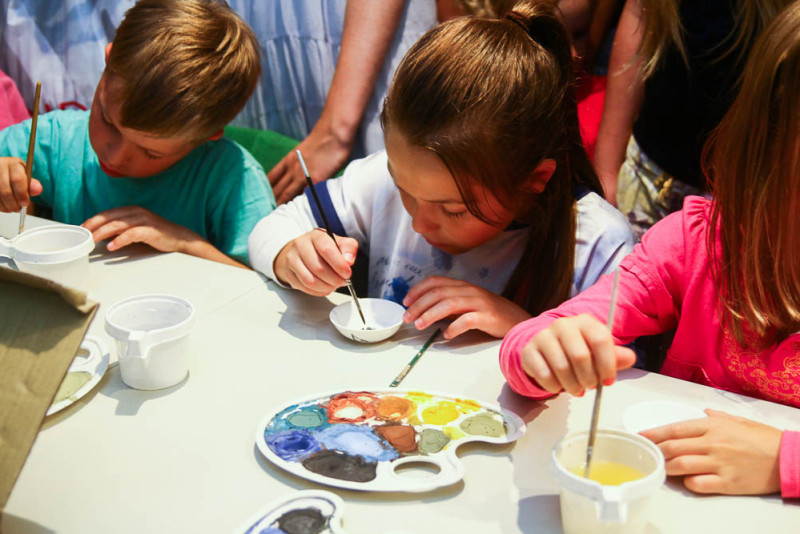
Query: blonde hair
column 493, row 98
column 754, row 167
column 663, row 29
column 186, row 67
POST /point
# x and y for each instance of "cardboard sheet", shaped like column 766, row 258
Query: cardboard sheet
column 42, row 325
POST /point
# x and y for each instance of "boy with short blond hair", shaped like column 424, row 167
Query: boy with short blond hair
column 148, row 162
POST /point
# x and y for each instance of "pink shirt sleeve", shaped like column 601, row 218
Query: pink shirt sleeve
column 790, row 464
column 12, row 107
column 651, row 283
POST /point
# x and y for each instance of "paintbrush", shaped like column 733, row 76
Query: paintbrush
column 31, row 145
column 599, row 391
column 328, row 229
column 414, row 360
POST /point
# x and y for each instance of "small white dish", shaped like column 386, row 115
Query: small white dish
column 383, row 318
column 652, row 414
column 92, row 360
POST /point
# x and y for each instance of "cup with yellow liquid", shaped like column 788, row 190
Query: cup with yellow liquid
column 626, row 471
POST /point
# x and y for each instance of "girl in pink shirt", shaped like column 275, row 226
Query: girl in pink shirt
column 725, row 275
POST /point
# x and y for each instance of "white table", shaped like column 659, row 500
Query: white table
column 184, row 459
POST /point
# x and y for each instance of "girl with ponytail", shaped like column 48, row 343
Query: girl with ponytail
column 484, row 207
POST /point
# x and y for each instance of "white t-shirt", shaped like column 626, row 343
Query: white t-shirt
column 365, row 205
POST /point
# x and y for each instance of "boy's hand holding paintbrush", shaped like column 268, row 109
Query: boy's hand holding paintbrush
column 14, row 191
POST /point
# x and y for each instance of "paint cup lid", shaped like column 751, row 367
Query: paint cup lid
column 652, row 414
column 52, row 244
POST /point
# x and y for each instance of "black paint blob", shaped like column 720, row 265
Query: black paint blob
column 338, row 464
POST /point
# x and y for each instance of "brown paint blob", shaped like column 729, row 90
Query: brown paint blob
column 401, row 437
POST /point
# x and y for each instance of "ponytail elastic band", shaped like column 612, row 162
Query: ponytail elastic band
column 539, row 28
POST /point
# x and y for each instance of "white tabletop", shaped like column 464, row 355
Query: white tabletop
column 184, row 459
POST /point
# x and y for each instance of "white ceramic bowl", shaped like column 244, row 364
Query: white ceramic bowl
column 383, row 317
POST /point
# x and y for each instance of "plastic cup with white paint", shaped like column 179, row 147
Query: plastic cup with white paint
column 152, row 339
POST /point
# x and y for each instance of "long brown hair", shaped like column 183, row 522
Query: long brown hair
column 493, row 98
column 754, row 169
column 663, row 29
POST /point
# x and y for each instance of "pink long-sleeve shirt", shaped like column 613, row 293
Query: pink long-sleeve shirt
column 667, row 283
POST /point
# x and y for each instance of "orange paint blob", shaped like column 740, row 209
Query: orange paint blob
column 401, row 437
column 395, row 408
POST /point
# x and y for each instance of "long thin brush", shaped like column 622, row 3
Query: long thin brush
column 599, row 391
column 31, row 145
column 414, row 360
column 328, row 229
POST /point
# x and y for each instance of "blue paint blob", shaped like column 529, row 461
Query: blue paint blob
column 292, row 445
column 357, row 441
column 299, row 417
column 441, row 259
column 399, row 290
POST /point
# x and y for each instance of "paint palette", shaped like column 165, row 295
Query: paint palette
column 311, row 511
column 84, row 373
column 381, row 440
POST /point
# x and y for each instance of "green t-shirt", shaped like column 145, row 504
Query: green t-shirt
column 218, row 190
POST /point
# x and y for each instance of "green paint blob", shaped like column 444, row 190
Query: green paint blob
column 306, row 419
column 432, row 441
column 71, row 384
column 483, row 424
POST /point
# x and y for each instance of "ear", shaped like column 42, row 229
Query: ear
column 216, row 136
column 540, row 176
column 108, row 51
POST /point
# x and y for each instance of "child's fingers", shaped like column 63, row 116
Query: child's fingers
column 535, row 365
column 421, row 311
column 705, row 483
column 426, row 286
column 137, row 234
column 550, row 347
column 464, row 323
column 13, row 185
column 19, row 184
column 348, row 247
column 313, row 270
column 580, row 358
column 690, row 464
column 677, row 431
column 36, row 188
column 601, row 346
column 330, row 253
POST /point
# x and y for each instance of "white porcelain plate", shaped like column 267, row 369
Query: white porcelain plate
column 379, row 439
column 84, row 373
column 652, row 414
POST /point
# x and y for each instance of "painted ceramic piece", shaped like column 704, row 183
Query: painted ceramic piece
column 381, row 440
column 84, row 373
column 383, row 318
column 304, row 512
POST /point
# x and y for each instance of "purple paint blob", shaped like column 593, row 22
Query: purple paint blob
column 357, row 441
column 292, row 445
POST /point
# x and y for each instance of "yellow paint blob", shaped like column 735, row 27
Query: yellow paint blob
column 453, row 432
column 608, row 473
column 440, row 413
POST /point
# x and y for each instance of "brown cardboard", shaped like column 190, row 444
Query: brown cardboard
column 42, row 325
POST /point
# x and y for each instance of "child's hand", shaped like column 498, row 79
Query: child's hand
column 573, row 354
column 721, row 454
column 438, row 297
column 313, row 264
column 132, row 224
column 14, row 193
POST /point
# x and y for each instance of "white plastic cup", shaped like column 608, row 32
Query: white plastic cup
column 588, row 506
column 151, row 334
column 56, row 252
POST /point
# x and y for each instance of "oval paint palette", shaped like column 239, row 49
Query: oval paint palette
column 385, row 440
column 304, row 512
